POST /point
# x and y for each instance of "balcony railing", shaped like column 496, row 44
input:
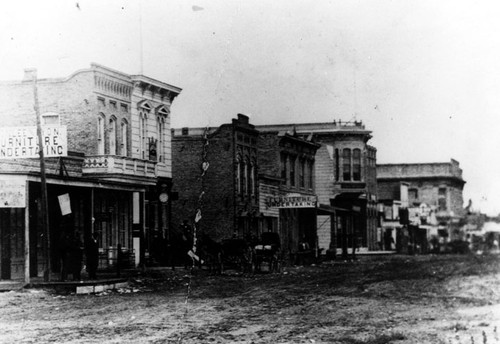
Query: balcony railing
column 125, row 166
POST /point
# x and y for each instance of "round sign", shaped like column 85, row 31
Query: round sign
column 163, row 197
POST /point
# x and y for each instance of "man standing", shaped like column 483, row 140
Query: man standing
column 92, row 253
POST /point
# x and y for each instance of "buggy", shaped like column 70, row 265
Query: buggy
column 268, row 251
column 237, row 254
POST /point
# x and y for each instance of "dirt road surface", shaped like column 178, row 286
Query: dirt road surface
column 398, row 299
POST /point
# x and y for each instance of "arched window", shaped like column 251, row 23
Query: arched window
column 346, row 164
column 124, row 131
column 245, row 177
column 251, row 179
column 356, row 164
column 160, row 124
column 101, row 119
column 238, row 175
column 143, row 135
column 112, row 136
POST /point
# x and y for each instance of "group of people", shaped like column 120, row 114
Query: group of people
column 70, row 251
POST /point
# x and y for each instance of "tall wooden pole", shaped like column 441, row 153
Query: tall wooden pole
column 45, row 208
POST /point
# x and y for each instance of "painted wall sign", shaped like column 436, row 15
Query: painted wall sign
column 12, row 194
column 291, row 201
column 22, row 142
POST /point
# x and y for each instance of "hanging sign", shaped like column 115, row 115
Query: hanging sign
column 22, row 142
column 12, row 194
column 65, row 204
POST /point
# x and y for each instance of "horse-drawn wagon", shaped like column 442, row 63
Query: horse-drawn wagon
column 268, row 252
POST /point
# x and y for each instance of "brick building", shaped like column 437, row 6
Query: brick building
column 250, row 174
column 345, row 180
column 434, row 194
column 117, row 172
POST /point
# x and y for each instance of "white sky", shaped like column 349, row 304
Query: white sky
column 424, row 76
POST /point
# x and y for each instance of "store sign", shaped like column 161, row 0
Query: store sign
column 291, row 202
column 22, row 142
column 12, row 194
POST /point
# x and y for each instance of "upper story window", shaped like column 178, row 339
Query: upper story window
column 346, row 164
column 412, row 194
column 160, row 124
column 283, row 166
column 442, row 195
column 238, row 175
column 292, row 170
column 302, row 172
column 100, row 133
column 50, row 118
column 144, row 111
column 310, row 174
column 337, row 165
column 112, row 136
column 356, row 164
column 251, row 179
column 124, row 135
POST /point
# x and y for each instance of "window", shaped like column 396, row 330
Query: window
column 124, row 130
column 251, row 180
column 442, row 199
column 292, row 170
column 245, row 178
column 238, row 176
column 302, row 171
column 283, row 164
column 112, row 104
column 161, row 141
column 356, row 164
column 412, row 194
column 100, row 134
column 112, row 136
column 346, row 164
column 50, row 118
column 310, row 174
column 143, row 135
column 337, row 165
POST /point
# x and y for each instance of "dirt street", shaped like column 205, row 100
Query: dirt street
column 399, row 299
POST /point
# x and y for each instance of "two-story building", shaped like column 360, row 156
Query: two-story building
column 434, row 195
column 256, row 182
column 114, row 181
column 345, row 181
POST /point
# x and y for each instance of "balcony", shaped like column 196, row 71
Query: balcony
column 112, row 167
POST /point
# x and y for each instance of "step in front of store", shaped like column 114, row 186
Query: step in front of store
column 83, row 287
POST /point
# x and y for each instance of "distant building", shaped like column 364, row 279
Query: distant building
column 116, row 176
column 434, row 195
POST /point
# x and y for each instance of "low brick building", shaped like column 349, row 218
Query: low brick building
column 116, row 176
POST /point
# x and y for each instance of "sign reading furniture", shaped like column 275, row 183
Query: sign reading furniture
column 22, row 142
column 291, row 202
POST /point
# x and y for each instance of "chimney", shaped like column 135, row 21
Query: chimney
column 29, row 74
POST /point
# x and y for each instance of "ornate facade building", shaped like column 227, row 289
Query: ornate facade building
column 116, row 176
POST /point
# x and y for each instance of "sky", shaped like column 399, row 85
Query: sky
column 423, row 76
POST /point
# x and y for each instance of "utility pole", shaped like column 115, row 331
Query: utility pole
column 45, row 208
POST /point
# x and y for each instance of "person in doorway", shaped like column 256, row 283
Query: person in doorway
column 63, row 249
column 92, row 254
column 76, row 257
